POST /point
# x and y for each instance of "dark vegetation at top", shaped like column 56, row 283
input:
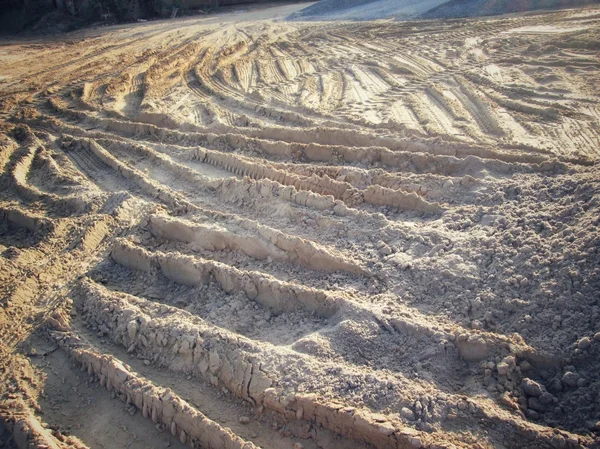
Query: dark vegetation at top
column 47, row 16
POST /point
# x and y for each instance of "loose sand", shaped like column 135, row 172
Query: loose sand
column 235, row 231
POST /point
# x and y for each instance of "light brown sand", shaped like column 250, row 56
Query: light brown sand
column 285, row 235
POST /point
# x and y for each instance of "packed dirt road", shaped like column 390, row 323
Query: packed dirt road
column 234, row 232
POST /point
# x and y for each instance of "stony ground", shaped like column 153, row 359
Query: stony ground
column 234, row 231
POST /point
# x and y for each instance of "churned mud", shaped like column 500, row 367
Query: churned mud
column 234, row 231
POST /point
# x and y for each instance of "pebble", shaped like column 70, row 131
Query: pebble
column 503, row 368
column 570, row 379
column 584, row 343
column 554, row 385
column 546, row 398
column 385, row 250
column 535, row 404
column 510, row 361
column 415, row 442
column 298, row 446
column 407, row 414
column 597, row 336
column 531, row 387
column 147, row 362
column 525, row 366
column 244, row 420
column 476, row 324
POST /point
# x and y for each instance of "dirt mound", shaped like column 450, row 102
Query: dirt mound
column 243, row 232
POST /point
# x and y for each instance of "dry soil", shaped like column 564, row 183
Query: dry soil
column 234, row 231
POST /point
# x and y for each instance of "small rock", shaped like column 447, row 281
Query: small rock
column 298, row 446
column 476, row 324
column 535, row 404
column 503, row 368
column 581, row 383
column 507, row 400
column 385, row 250
column 146, row 362
column 546, row 398
column 462, row 337
column 244, row 420
column 570, row 379
column 531, row 387
column 584, row 343
column 532, row 414
column 415, row 442
column 407, row 414
column 132, row 329
column 525, row 366
column 597, row 336
column 555, row 386
column 510, row 361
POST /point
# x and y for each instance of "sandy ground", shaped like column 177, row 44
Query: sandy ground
column 234, row 232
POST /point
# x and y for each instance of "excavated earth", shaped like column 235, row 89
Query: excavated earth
column 234, row 232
